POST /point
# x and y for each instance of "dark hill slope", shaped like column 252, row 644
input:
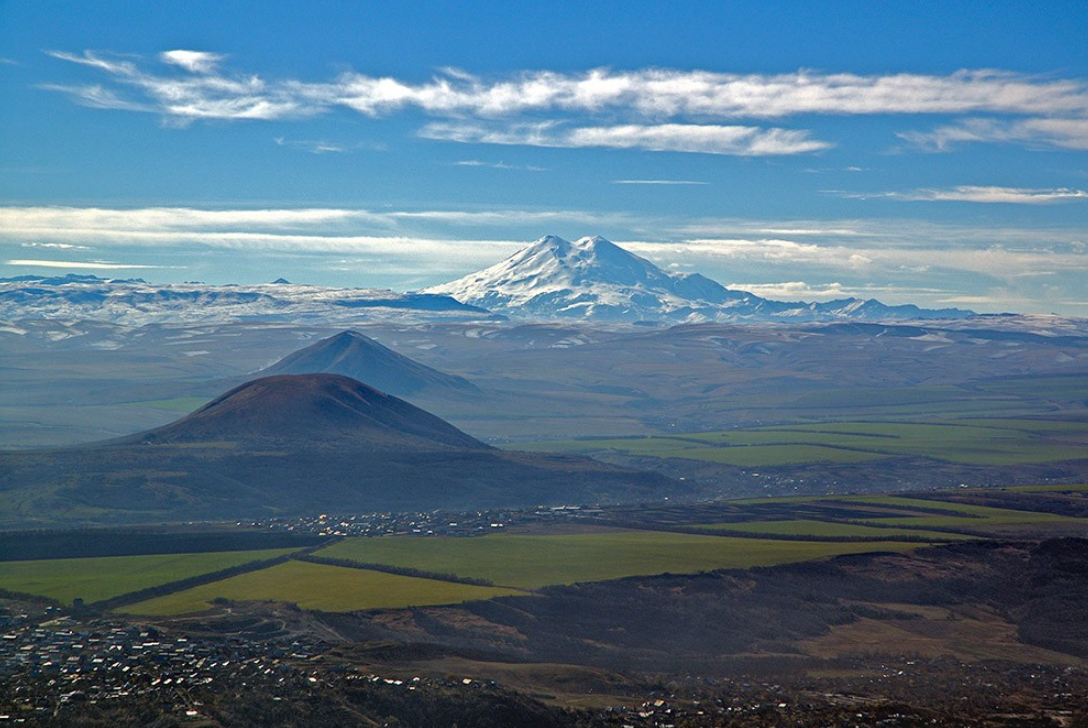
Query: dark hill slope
column 357, row 356
column 294, row 445
column 314, row 410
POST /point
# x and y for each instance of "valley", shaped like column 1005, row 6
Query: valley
column 820, row 604
column 588, row 521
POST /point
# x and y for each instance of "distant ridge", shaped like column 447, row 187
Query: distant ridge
column 135, row 302
column 300, row 444
column 595, row 279
column 355, row 355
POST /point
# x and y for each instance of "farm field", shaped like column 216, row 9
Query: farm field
column 991, row 442
column 1072, row 488
column 776, row 531
column 183, row 405
column 960, row 515
column 320, row 587
column 536, row 561
column 95, row 579
column 806, row 527
column 908, row 513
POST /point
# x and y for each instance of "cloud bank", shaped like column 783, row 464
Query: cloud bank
column 661, row 109
column 979, row 193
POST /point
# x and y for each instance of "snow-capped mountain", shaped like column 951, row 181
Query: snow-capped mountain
column 593, row 278
column 135, row 302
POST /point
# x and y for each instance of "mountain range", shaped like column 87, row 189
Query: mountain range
column 590, row 279
column 595, row 279
column 135, row 302
column 300, row 444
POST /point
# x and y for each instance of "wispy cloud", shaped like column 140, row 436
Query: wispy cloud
column 1049, row 132
column 701, row 138
column 313, row 146
column 978, row 193
column 788, row 290
column 56, row 246
column 666, row 182
column 200, row 93
column 498, row 165
column 189, row 85
column 883, row 252
column 81, row 264
column 876, row 256
column 651, row 92
column 801, row 290
column 193, row 61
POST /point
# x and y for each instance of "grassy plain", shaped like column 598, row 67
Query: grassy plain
column 321, row 587
column 960, row 515
column 535, row 561
column 94, row 579
column 970, row 442
column 184, row 405
column 806, row 527
column 1073, row 488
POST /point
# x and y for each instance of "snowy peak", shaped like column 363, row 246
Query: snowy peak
column 594, row 278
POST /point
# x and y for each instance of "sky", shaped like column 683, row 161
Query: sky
column 925, row 152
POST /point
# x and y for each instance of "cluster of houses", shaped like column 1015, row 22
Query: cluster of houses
column 435, row 523
column 50, row 663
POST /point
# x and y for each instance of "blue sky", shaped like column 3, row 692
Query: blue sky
column 935, row 153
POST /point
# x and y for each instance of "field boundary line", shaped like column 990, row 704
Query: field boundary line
column 123, row 600
column 396, row 570
column 724, row 533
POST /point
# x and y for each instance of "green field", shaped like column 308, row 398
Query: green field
column 321, row 587
column 806, row 527
column 959, row 515
column 971, row 442
column 101, row 578
column 1073, row 488
column 535, row 561
column 179, row 404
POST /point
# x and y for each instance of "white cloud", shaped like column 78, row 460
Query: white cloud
column 655, row 92
column 192, row 85
column 1013, row 195
column 100, row 97
column 80, row 264
column 56, row 246
column 193, row 61
column 793, row 290
column 313, row 146
column 665, row 182
column 800, row 290
column 979, row 193
column 705, row 139
column 884, row 251
column 876, row 256
column 498, row 165
column 25, row 220
column 759, row 250
column 182, row 99
column 1061, row 133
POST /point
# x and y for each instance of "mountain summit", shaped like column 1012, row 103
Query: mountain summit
column 317, row 410
column 596, row 279
column 355, row 355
